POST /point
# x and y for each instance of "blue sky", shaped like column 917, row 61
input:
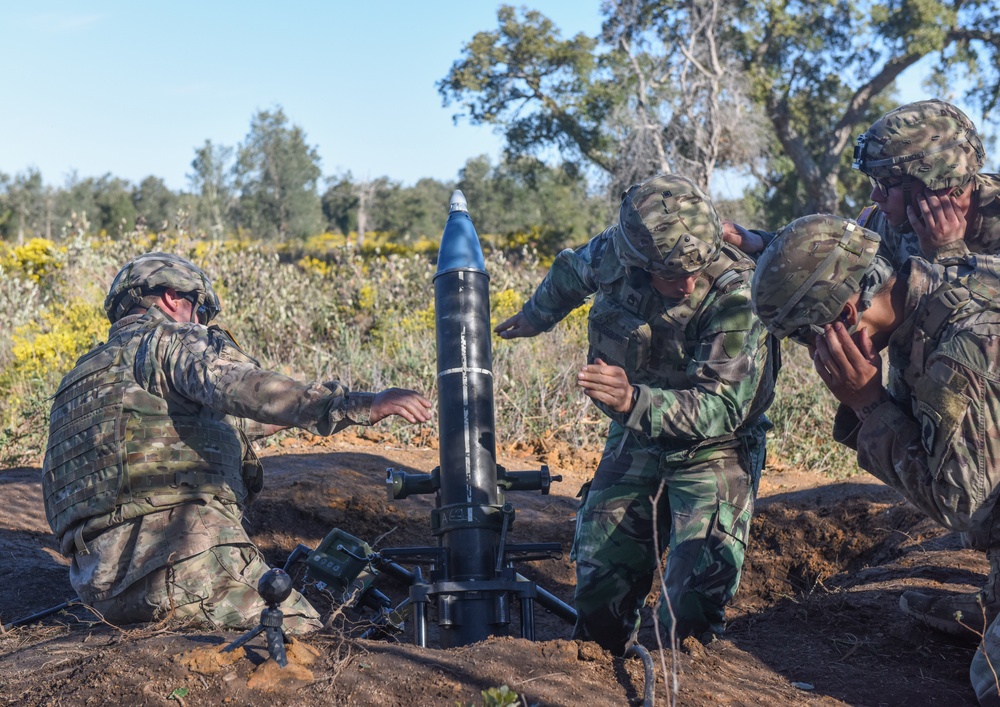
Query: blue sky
column 132, row 88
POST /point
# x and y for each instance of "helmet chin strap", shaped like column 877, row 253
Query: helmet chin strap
column 906, row 226
column 199, row 301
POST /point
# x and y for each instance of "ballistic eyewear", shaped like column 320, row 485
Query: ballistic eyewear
column 882, row 187
column 202, row 312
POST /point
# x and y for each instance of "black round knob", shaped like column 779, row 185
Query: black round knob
column 274, row 586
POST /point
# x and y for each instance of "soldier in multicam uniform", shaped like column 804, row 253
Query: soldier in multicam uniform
column 923, row 160
column 934, row 433
column 684, row 369
column 149, row 466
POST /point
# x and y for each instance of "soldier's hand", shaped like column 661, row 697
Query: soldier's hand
column 851, row 370
column 741, row 238
column 408, row 404
column 516, row 327
column 938, row 218
column 606, row 384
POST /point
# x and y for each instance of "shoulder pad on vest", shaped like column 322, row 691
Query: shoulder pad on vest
column 988, row 188
column 730, row 270
column 952, row 301
column 866, row 215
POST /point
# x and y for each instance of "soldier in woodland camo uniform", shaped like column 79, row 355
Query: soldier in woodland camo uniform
column 934, row 433
column 683, row 368
column 149, row 466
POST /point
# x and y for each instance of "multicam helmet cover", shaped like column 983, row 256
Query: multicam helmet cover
column 931, row 141
column 811, row 269
column 667, row 226
column 150, row 274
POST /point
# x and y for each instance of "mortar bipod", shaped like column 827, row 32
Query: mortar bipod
column 347, row 568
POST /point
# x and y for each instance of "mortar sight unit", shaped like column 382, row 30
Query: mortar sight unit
column 472, row 579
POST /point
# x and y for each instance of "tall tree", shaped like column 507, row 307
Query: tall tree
column 28, row 206
column 116, row 212
column 824, row 70
column 276, row 175
column 212, row 181
column 658, row 91
column 684, row 103
column 155, row 203
column 683, row 83
column 541, row 90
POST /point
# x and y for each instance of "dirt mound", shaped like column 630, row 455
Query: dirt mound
column 816, row 620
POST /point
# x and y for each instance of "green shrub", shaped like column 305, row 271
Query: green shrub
column 328, row 311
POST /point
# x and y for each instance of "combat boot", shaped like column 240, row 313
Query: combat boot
column 962, row 615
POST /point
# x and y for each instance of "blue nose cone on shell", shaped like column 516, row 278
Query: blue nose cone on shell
column 460, row 247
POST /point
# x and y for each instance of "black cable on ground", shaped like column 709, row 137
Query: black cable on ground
column 647, row 663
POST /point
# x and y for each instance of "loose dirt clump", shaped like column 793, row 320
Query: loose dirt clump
column 816, row 620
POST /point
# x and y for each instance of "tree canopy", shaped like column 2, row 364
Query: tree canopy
column 778, row 91
column 276, row 174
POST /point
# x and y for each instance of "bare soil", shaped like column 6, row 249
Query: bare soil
column 816, row 620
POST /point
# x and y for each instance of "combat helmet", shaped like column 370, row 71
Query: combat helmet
column 931, row 141
column 667, row 226
column 148, row 275
column 809, row 272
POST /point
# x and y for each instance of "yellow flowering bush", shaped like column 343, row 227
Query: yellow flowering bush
column 420, row 322
column 38, row 259
column 505, row 304
column 64, row 332
column 314, row 266
column 322, row 309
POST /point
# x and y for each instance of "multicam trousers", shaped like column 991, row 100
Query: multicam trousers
column 216, row 588
column 702, row 515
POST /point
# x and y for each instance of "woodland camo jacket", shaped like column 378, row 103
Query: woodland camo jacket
column 706, row 373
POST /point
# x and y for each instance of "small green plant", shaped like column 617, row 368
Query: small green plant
column 179, row 693
column 501, row 696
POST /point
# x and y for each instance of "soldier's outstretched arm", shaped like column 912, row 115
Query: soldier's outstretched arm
column 750, row 242
column 408, row 404
column 516, row 327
